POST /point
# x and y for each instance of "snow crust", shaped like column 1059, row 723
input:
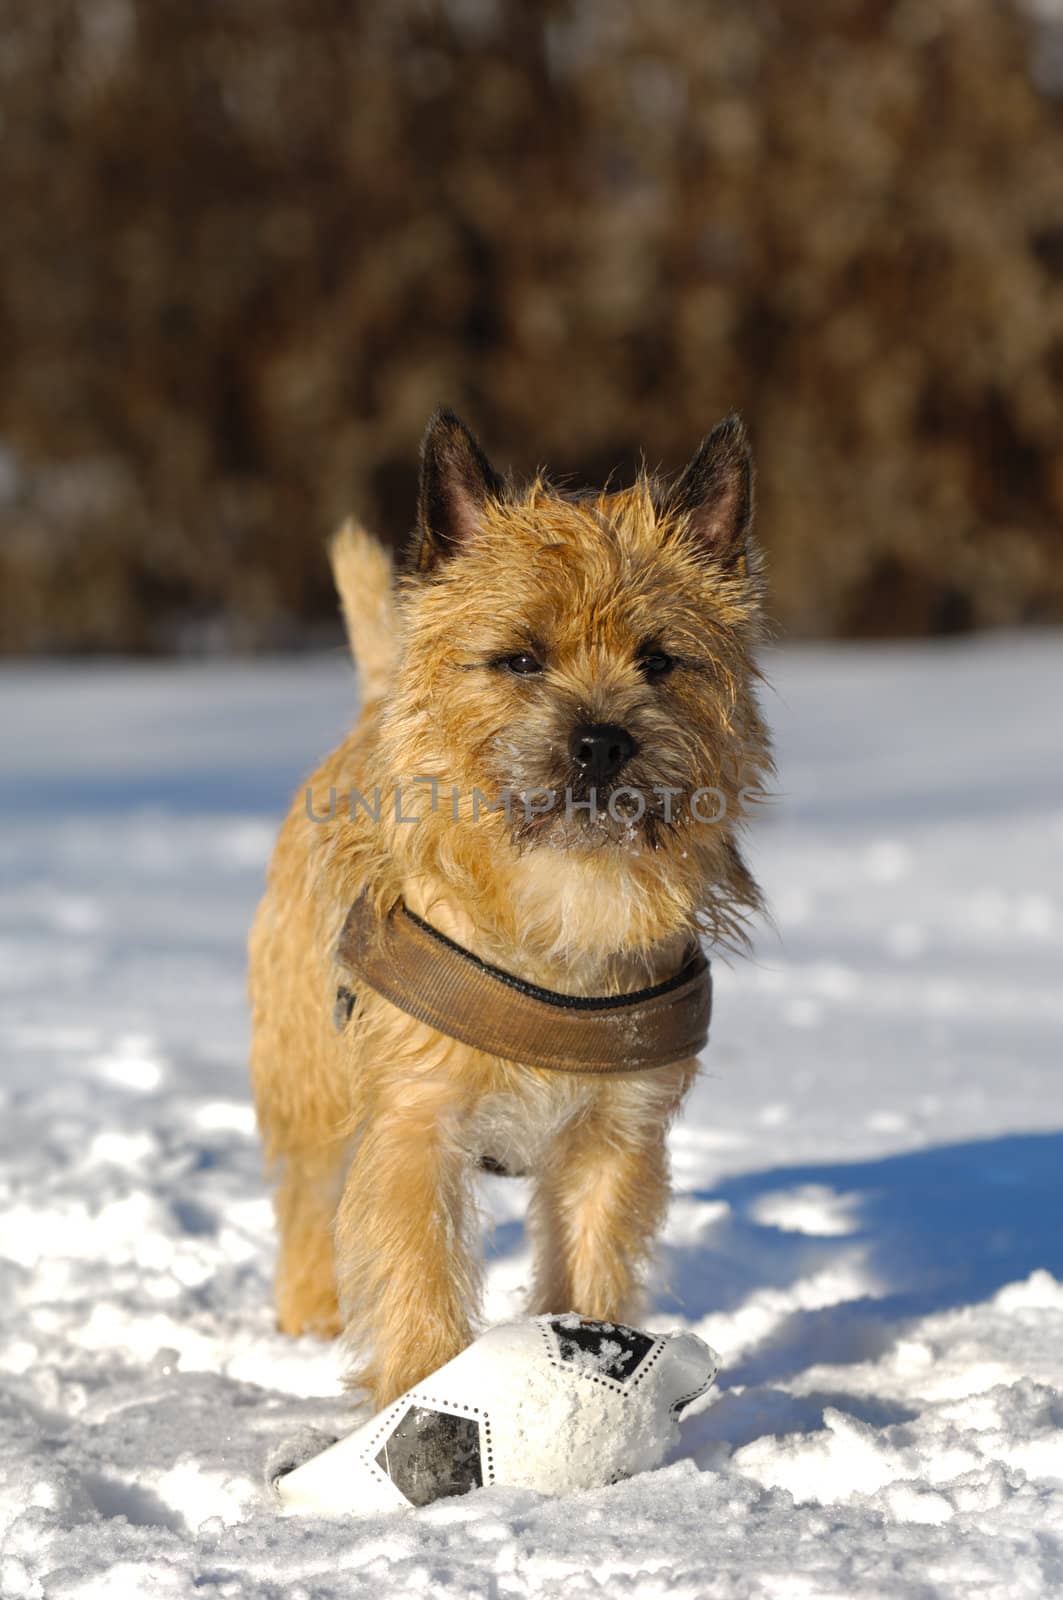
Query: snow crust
column 868, row 1225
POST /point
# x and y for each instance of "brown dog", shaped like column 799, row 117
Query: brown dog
column 596, row 647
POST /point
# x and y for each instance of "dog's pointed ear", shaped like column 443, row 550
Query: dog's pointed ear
column 456, row 481
column 714, row 492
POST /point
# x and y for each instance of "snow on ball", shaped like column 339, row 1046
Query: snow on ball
column 551, row 1403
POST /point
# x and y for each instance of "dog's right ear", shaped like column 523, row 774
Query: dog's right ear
column 456, row 481
column 714, row 492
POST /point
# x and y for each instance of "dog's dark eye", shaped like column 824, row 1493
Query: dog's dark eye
column 523, row 663
column 654, row 664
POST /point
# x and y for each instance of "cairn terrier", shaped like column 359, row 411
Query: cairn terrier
column 590, row 655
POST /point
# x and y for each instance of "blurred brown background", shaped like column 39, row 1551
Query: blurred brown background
column 248, row 245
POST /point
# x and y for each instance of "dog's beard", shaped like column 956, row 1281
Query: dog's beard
column 549, row 800
column 636, row 811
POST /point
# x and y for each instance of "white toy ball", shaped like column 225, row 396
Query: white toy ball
column 550, row 1403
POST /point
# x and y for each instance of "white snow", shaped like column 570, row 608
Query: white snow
column 868, row 1223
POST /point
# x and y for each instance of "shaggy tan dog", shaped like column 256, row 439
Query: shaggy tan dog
column 597, row 648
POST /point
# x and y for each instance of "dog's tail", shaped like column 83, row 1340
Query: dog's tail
column 365, row 582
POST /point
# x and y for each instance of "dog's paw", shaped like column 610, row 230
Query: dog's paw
column 298, row 1314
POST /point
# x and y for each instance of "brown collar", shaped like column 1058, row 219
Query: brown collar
column 427, row 975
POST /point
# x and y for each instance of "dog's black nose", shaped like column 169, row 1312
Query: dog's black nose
column 600, row 749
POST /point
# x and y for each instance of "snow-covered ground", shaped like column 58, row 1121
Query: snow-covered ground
column 869, row 1220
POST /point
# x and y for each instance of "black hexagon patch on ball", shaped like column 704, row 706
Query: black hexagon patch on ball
column 600, row 1349
column 429, row 1454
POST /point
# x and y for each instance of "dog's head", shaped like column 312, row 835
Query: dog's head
column 582, row 663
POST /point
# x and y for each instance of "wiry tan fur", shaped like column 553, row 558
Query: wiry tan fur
column 375, row 1129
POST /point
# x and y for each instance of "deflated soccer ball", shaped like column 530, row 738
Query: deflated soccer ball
column 549, row 1403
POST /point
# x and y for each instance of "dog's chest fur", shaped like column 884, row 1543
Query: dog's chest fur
column 512, row 1133
column 577, row 918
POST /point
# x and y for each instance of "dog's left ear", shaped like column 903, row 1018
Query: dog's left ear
column 714, row 492
column 456, row 481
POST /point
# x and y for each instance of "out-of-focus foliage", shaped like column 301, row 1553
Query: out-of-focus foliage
column 249, row 245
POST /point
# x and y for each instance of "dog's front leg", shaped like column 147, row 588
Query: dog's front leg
column 602, row 1199
column 408, row 1282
